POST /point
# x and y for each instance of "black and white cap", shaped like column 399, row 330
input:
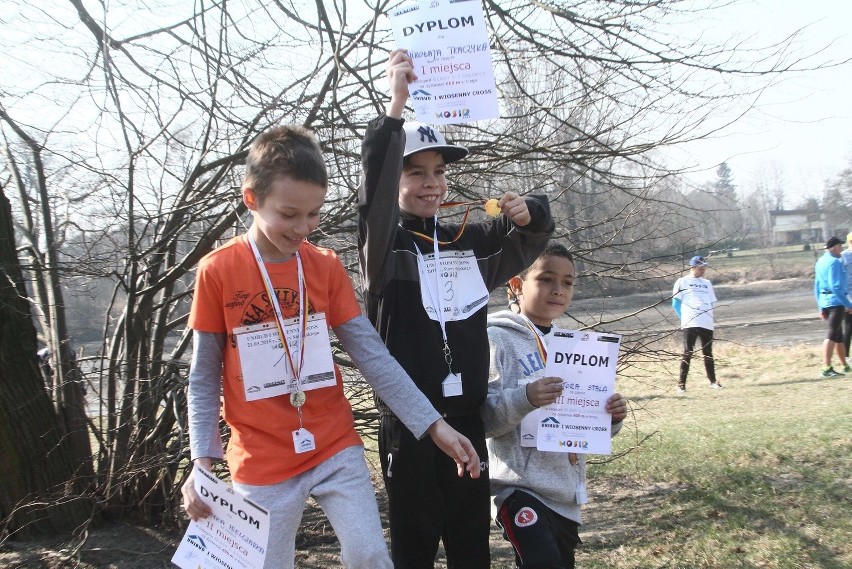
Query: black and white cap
column 420, row 136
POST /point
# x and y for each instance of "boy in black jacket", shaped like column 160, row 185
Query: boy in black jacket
column 434, row 321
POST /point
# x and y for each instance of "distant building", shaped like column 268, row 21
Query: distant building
column 798, row 226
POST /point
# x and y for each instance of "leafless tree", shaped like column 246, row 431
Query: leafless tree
column 44, row 486
column 130, row 136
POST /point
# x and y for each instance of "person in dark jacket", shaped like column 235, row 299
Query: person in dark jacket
column 434, row 321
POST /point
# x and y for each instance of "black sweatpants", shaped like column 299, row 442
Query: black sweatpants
column 689, row 337
column 542, row 539
column 429, row 502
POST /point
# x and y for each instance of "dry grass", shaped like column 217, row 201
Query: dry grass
column 754, row 475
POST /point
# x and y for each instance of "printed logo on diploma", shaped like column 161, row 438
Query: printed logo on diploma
column 448, row 42
column 578, row 422
column 235, row 535
column 265, row 366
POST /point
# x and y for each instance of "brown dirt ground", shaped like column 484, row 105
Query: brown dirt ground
column 126, row 546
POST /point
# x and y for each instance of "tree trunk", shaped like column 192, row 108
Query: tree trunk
column 41, row 490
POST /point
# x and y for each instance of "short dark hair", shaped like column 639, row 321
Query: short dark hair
column 284, row 150
column 552, row 250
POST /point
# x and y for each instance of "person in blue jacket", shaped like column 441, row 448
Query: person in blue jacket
column 830, row 287
column 846, row 257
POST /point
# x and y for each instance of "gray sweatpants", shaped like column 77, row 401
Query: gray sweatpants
column 341, row 486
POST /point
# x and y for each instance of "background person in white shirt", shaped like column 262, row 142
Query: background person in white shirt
column 693, row 299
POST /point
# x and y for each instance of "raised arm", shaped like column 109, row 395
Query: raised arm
column 381, row 162
column 400, row 76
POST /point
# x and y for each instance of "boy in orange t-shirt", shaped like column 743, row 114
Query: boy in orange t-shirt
column 292, row 430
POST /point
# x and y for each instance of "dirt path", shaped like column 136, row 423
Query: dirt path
column 762, row 313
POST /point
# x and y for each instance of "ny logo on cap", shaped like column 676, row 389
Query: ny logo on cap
column 427, row 134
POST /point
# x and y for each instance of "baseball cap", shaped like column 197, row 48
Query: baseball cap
column 420, row 137
column 833, row 242
column 698, row 261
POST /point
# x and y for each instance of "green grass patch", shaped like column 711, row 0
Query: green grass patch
column 789, row 258
column 754, row 475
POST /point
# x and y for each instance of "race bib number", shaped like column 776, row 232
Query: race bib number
column 459, row 283
column 265, row 367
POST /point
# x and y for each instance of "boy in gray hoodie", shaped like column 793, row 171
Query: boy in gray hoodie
column 536, row 495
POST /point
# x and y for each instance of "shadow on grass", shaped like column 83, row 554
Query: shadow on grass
column 676, row 520
column 733, row 386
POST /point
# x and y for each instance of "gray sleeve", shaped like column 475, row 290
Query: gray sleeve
column 385, row 375
column 203, row 395
column 506, row 403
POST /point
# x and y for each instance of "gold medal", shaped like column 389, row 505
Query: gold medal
column 492, row 207
column 297, row 398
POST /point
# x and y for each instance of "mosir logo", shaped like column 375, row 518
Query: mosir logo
column 457, row 113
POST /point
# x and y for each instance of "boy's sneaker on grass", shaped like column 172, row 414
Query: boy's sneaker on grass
column 715, row 385
column 828, row 371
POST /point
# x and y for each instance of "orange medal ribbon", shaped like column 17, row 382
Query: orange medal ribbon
column 542, row 349
column 489, row 209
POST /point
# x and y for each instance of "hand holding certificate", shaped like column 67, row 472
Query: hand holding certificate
column 234, row 535
column 578, row 421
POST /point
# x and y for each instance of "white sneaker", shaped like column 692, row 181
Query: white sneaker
column 715, row 385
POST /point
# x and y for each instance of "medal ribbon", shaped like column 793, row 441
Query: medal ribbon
column 539, row 338
column 279, row 318
column 458, row 234
column 434, row 288
column 493, row 203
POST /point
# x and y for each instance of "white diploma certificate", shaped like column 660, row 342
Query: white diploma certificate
column 265, row 367
column 578, row 422
column 235, row 535
column 448, row 42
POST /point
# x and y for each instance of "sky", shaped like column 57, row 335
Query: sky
column 800, row 134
